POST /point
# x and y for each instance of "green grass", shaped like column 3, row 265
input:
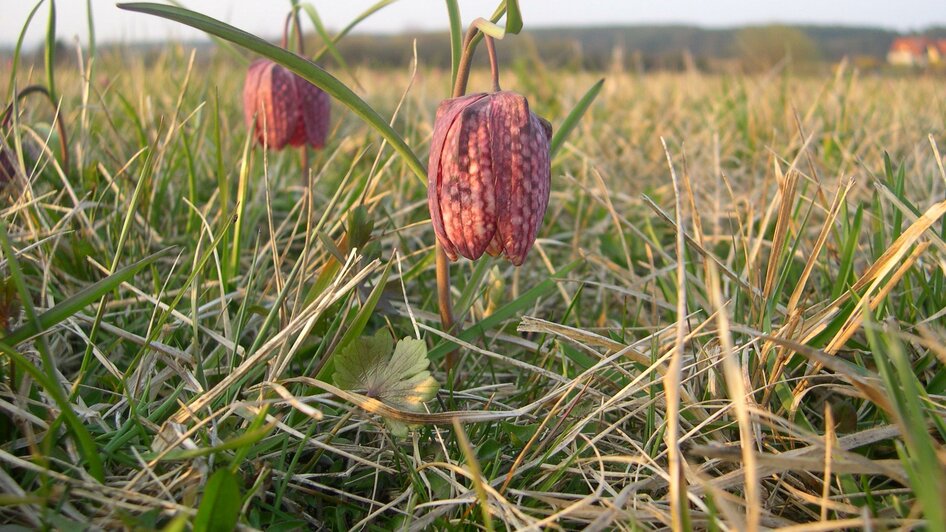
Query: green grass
column 804, row 218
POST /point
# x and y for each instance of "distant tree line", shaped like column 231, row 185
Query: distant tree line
column 647, row 47
column 638, row 48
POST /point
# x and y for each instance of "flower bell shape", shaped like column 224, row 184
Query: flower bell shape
column 284, row 108
column 489, row 175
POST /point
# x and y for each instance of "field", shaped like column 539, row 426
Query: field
column 732, row 318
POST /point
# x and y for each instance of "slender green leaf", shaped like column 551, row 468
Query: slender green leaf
column 50, row 53
column 293, row 62
column 16, row 51
column 259, row 423
column 513, row 17
column 242, row 443
column 220, row 507
column 91, row 24
column 571, row 121
column 242, row 188
column 80, row 300
column 351, row 25
column 919, row 456
column 367, row 309
column 130, row 212
column 85, row 442
column 48, row 372
column 473, row 282
column 456, row 38
column 525, row 300
column 327, row 39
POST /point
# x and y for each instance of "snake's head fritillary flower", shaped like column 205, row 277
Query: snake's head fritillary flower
column 284, row 108
column 488, row 177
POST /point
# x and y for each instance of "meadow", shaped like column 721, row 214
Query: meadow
column 732, row 317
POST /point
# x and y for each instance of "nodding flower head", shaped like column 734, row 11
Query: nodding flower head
column 283, row 108
column 488, row 177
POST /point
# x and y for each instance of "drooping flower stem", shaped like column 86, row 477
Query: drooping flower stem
column 493, row 63
column 466, row 58
column 444, row 299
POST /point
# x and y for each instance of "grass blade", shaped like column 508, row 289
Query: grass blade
column 46, row 376
column 505, row 312
column 16, row 51
column 919, row 454
column 220, row 507
column 571, row 121
column 351, row 25
column 80, row 300
column 86, row 444
column 456, row 38
column 91, row 26
column 327, row 39
column 50, row 52
column 513, row 17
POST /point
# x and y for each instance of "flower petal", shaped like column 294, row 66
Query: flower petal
column 447, row 113
column 467, row 191
column 521, row 167
column 315, row 111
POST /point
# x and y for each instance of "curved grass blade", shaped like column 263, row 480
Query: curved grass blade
column 351, row 25
column 574, row 116
column 245, row 61
column 80, row 300
column 46, row 376
column 483, row 327
column 241, row 443
column 513, row 17
column 50, row 52
column 91, row 26
column 456, row 38
column 489, row 26
column 220, row 507
column 329, row 43
column 16, row 50
column 293, row 62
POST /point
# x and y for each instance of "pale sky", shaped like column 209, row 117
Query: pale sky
column 265, row 17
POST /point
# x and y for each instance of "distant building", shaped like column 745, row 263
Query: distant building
column 917, row 51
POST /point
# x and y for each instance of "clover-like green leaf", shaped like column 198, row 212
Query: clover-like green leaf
column 398, row 376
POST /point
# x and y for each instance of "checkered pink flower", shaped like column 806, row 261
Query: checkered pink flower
column 294, row 111
column 488, row 177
